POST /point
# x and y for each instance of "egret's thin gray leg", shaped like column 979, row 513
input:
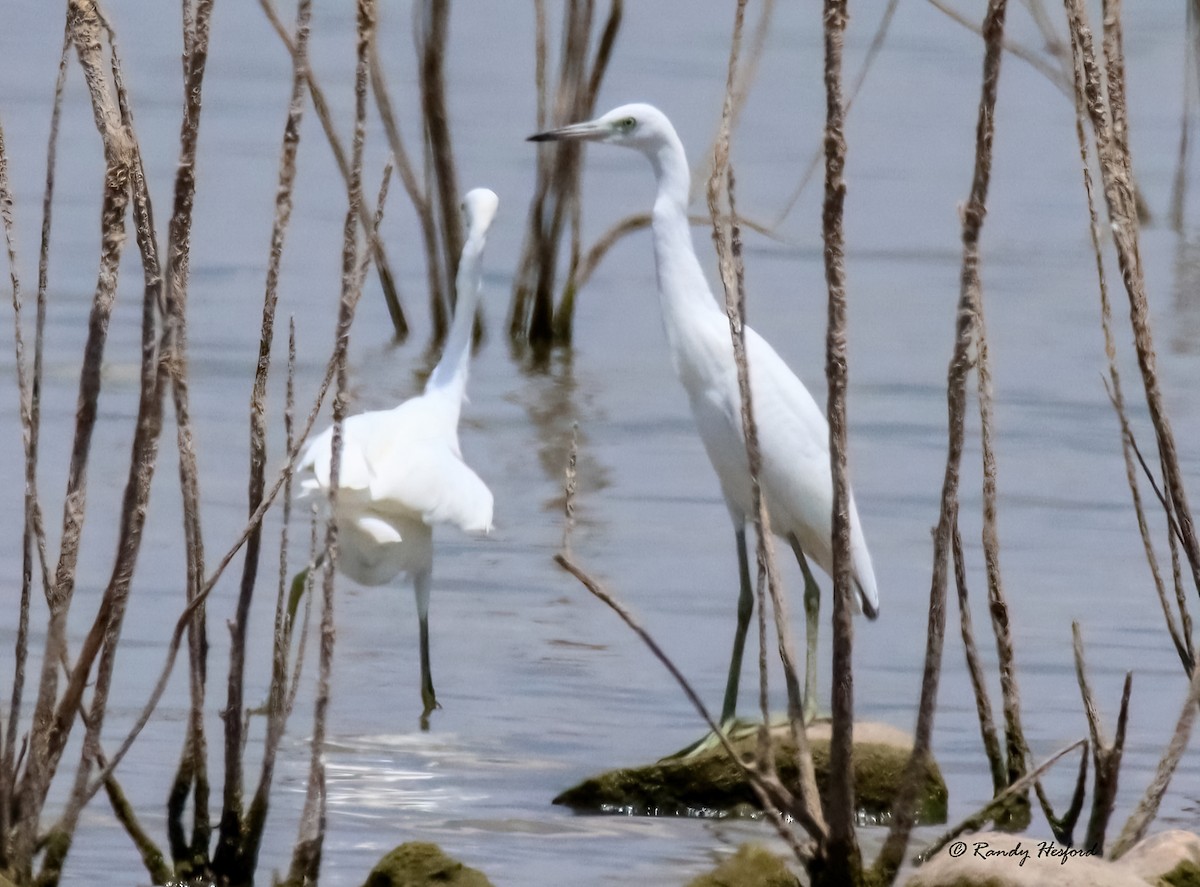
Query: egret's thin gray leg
column 812, row 607
column 421, row 584
column 744, row 611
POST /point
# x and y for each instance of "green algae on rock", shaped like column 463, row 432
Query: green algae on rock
column 751, row 866
column 710, row 784
column 420, row 864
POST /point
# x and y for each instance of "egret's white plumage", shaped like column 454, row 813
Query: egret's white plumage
column 402, row 470
column 793, row 434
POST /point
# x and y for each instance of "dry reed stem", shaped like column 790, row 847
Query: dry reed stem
column 739, row 90
column 306, row 857
column 1107, row 758
column 1147, row 808
column 1181, row 640
column 1030, row 57
column 282, row 480
column 1014, row 736
column 807, row 807
column 34, row 530
column 173, row 645
column 239, row 837
column 151, row 855
column 24, row 390
column 1109, row 131
column 277, row 705
column 983, row 703
column 533, row 318
column 433, row 28
column 197, row 15
column 436, row 275
column 845, row 860
column 1191, row 60
column 1115, row 166
column 85, row 25
column 771, row 793
column 51, row 723
column 892, row 854
column 1063, row 827
column 977, row 820
column 387, row 280
column 569, row 489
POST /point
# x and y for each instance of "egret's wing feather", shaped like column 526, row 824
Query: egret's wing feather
column 354, row 473
column 432, row 482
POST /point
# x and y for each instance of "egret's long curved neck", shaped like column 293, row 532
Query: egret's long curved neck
column 450, row 374
column 682, row 287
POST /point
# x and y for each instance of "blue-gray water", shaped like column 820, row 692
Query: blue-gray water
column 540, row 684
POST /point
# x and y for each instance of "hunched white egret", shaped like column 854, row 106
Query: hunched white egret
column 402, row 470
column 793, row 434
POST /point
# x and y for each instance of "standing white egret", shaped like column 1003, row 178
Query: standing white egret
column 793, row 435
column 402, row 470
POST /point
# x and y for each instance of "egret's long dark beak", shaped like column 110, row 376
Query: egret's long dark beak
column 589, row 131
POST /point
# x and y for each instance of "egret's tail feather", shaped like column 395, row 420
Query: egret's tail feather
column 870, row 610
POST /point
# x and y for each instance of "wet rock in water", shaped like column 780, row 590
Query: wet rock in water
column 751, row 866
column 419, row 864
column 712, row 785
column 1170, row 859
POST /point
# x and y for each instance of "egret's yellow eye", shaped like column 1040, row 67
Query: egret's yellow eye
column 627, row 123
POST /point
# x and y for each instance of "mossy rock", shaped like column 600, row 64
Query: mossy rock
column 1186, row 874
column 419, row 864
column 711, row 784
column 751, row 866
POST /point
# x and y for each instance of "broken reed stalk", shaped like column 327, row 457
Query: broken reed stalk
column 1147, row 808
column 1106, row 758
column 387, row 280
column 1063, row 827
column 306, row 858
column 844, row 862
column 773, row 796
column 988, row 811
column 807, row 807
column 892, row 855
column 1109, row 127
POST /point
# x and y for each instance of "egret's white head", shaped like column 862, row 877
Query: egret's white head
column 638, row 125
column 479, row 208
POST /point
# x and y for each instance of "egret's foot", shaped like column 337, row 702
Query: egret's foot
column 734, row 729
column 431, row 705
